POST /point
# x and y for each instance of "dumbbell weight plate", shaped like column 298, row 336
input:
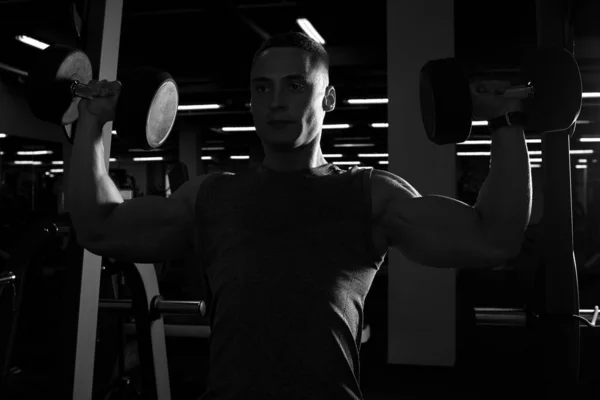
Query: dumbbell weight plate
column 49, row 84
column 147, row 108
column 556, row 79
column 445, row 100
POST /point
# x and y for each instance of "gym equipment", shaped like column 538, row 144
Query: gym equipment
column 146, row 307
column 146, row 107
column 524, row 318
column 551, row 92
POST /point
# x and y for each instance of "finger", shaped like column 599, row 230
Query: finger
column 115, row 87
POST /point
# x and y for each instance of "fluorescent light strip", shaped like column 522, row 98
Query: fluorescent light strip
column 56, row 171
column 34, row 153
column 367, row 101
column 579, row 166
column 533, row 166
column 213, row 148
column 488, row 142
column 2, row 135
column 207, row 158
column 141, row 159
column 27, row 162
column 238, row 129
column 586, row 95
column 193, row 107
column 239, row 157
column 310, row 30
column 582, row 161
column 336, row 126
column 384, row 162
column 112, row 160
column 332, row 155
column 57, row 162
column 380, row 125
column 346, row 163
column 252, row 128
column 531, row 153
column 354, row 145
column 32, row 42
column 114, row 132
column 373, row 155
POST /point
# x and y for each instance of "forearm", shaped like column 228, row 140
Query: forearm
column 504, row 201
column 91, row 193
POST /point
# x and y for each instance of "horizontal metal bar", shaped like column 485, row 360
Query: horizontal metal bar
column 500, row 317
column 180, row 307
column 512, row 316
column 166, row 307
column 188, row 331
column 15, row 70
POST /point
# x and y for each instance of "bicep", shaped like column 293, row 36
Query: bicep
column 440, row 232
column 151, row 228
column 145, row 230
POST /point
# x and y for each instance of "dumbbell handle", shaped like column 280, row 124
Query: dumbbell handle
column 79, row 89
column 519, row 92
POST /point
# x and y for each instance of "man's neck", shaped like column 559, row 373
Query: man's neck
column 303, row 159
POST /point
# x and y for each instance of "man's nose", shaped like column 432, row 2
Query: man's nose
column 279, row 99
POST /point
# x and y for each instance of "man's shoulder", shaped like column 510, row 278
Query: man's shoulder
column 386, row 187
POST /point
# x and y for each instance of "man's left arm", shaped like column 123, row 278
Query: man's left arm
column 505, row 198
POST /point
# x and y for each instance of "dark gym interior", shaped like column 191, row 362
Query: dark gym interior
column 208, row 47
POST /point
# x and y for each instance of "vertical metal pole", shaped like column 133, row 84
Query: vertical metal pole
column 101, row 36
column 560, row 331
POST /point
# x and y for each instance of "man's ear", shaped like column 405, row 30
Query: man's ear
column 329, row 99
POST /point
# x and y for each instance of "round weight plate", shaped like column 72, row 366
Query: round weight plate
column 558, row 91
column 445, row 101
column 75, row 67
column 147, row 107
column 49, row 83
column 162, row 114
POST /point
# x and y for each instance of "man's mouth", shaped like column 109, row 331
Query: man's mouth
column 279, row 123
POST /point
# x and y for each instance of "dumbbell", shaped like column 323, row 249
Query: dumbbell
column 146, row 107
column 550, row 88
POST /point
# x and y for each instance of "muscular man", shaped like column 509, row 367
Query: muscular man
column 290, row 249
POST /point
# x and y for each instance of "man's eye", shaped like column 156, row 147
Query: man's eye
column 297, row 86
column 261, row 88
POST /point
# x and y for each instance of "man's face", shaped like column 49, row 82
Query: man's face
column 290, row 97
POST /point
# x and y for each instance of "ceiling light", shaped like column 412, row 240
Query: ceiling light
column 141, row 159
column 192, row 107
column 367, row 101
column 34, row 153
column 310, row 30
column 380, row 125
column 240, row 157
column 336, row 126
column 32, row 42
column 373, row 155
column 346, row 162
column 238, row 128
column 354, row 145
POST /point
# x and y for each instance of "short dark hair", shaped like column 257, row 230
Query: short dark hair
column 298, row 40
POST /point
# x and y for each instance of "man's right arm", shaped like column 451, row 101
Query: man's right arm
column 144, row 229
